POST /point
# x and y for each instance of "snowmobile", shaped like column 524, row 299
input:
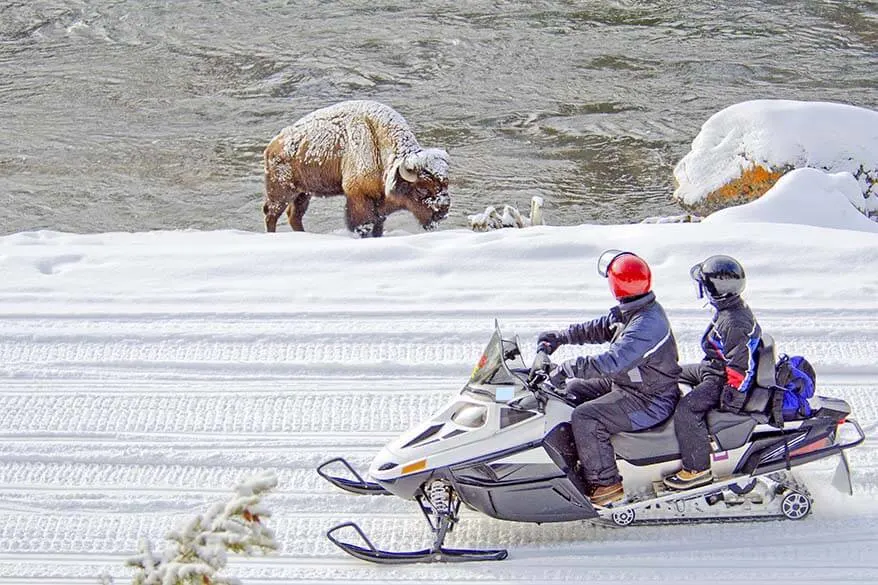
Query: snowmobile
column 504, row 447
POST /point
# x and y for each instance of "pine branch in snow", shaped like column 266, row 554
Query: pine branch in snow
column 198, row 550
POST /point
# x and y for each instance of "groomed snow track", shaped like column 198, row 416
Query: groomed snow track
column 115, row 427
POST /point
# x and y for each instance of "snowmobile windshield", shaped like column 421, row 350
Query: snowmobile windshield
column 491, row 368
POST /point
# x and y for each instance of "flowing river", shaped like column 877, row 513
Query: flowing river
column 143, row 115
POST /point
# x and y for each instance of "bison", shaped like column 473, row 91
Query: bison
column 363, row 150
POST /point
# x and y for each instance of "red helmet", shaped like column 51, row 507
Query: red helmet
column 629, row 275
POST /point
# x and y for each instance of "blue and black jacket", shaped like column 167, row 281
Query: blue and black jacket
column 642, row 358
column 731, row 342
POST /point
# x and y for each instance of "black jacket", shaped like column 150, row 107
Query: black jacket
column 642, row 358
column 731, row 341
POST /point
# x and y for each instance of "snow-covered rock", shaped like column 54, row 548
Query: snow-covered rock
column 804, row 196
column 743, row 150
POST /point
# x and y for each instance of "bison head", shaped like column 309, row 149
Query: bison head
column 419, row 182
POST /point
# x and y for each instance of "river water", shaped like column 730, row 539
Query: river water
column 141, row 115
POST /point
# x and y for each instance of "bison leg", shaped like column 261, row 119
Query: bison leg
column 378, row 228
column 278, row 196
column 272, row 210
column 280, row 185
column 364, row 218
column 296, row 211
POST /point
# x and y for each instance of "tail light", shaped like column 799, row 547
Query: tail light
column 810, row 448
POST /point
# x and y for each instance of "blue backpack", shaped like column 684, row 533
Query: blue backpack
column 798, row 379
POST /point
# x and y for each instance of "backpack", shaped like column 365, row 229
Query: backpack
column 798, row 379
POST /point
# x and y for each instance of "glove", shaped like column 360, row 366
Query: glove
column 560, row 374
column 732, row 400
column 551, row 340
column 537, row 377
column 711, row 367
column 575, row 396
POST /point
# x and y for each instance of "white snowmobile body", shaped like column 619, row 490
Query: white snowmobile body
column 510, row 454
column 504, row 447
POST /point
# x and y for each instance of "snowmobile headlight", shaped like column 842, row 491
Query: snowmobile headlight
column 469, row 415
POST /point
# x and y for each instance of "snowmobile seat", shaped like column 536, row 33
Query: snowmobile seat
column 728, row 429
column 658, row 443
column 733, row 430
column 765, row 367
column 759, row 400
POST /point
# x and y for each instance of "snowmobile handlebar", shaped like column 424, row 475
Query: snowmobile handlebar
column 539, row 368
column 538, row 378
column 542, row 363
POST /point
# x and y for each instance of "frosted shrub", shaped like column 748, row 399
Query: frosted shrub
column 198, row 550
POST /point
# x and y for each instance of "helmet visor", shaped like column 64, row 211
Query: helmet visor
column 606, row 259
column 697, row 275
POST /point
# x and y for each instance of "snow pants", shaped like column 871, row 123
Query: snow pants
column 583, row 390
column 690, row 418
column 611, row 411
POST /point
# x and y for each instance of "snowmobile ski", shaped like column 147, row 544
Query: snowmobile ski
column 358, row 485
column 428, row 555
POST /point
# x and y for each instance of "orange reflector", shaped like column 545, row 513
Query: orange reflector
column 416, row 466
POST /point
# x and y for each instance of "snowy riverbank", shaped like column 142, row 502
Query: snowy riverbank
column 144, row 374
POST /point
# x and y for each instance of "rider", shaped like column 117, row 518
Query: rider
column 630, row 386
column 725, row 375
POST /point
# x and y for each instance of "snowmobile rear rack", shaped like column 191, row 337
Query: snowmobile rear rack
column 358, row 485
column 814, row 455
column 428, row 555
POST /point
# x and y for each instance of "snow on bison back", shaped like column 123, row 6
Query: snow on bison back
column 363, row 150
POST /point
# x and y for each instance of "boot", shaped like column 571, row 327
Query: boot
column 684, row 479
column 604, row 495
column 578, row 479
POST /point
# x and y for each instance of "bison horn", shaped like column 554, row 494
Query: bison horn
column 410, row 174
column 397, row 169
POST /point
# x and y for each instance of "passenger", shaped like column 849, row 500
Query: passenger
column 725, row 375
column 629, row 387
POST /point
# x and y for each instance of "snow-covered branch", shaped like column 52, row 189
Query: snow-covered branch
column 198, row 550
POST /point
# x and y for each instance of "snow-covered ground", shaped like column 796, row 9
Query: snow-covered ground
column 143, row 375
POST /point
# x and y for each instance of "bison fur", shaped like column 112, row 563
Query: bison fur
column 363, row 150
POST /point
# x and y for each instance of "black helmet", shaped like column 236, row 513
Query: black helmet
column 719, row 276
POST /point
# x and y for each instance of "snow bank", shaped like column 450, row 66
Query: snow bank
column 804, row 196
column 513, row 269
column 770, row 137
